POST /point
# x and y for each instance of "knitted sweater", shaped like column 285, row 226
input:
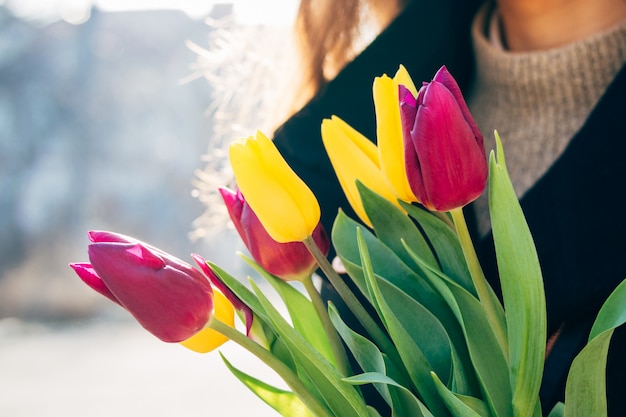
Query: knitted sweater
column 537, row 101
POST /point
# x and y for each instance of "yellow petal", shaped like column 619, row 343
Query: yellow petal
column 389, row 134
column 354, row 157
column 207, row 340
column 402, row 77
column 284, row 204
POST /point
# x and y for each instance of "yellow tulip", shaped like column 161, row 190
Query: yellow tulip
column 284, row 204
column 389, row 131
column 208, row 339
column 353, row 157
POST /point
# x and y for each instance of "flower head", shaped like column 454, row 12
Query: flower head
column 288, row 261
column 167, row 296
column 444, row 151
column 284, row 204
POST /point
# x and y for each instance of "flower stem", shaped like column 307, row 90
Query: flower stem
column 364, row 318
column 290, row 378
column 489, row 300
column 341, row 359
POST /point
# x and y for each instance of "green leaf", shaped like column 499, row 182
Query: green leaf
column 388, row 266
column 302, row 313
column 585, row 390
column 412, row 354
column 404, row 403
column 426, row 288
column 446, row 245
column 364, row 351
column 522, row 286
column 486, row 355
column 392, row 226
column 457, row 406
column 464, row 377
column 558, row 410
column 341, row 398
column 613, row 312
column 285, row 402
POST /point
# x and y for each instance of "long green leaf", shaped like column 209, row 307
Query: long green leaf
column 486, row 356
column 392, row 226
column 412, row 354
column 613, row 312
column 367, row 355
column 446, row 245
column 460, row 406
column 522, row 287
column 585, row 391
column 340, row 397
column 465, row 381
column 301, row 312
column 404, row 403
column 285, row 402
column 387, row 265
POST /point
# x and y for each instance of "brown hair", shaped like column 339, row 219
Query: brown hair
column 327, row 35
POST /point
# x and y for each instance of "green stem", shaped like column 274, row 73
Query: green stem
column 380, row 338
column 290, row 378
column 489, row 300
column 339, row 352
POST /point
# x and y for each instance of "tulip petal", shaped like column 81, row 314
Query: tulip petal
column 353, row 157
column 234, row 202
column 99, row 236
column 389, row 136
column 90, row 277
column 207, row 339
column 402, row 77
column 273, row 190
column 412, row 165
column 444, row 77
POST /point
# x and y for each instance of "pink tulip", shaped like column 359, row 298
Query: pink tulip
column 444, row 151
column 288, row 261
column 167, row 296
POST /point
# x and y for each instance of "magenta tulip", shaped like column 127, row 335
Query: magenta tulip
column 444, row 152
column 167, row 296
column 288, row 261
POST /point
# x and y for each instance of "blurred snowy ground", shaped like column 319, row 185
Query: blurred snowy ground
column 112, row 367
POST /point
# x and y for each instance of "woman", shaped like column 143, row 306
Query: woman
column 550, row 76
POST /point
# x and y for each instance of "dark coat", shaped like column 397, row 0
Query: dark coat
column 576, row 211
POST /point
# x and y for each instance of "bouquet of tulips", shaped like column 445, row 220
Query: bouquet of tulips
column 431, row 336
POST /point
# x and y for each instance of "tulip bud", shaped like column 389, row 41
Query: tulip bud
column 289, row 261
column 167, row 296
column 353, row 157
column 285, row 205
column 444, row 151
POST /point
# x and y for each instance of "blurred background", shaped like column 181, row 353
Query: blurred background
column 114, row 114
